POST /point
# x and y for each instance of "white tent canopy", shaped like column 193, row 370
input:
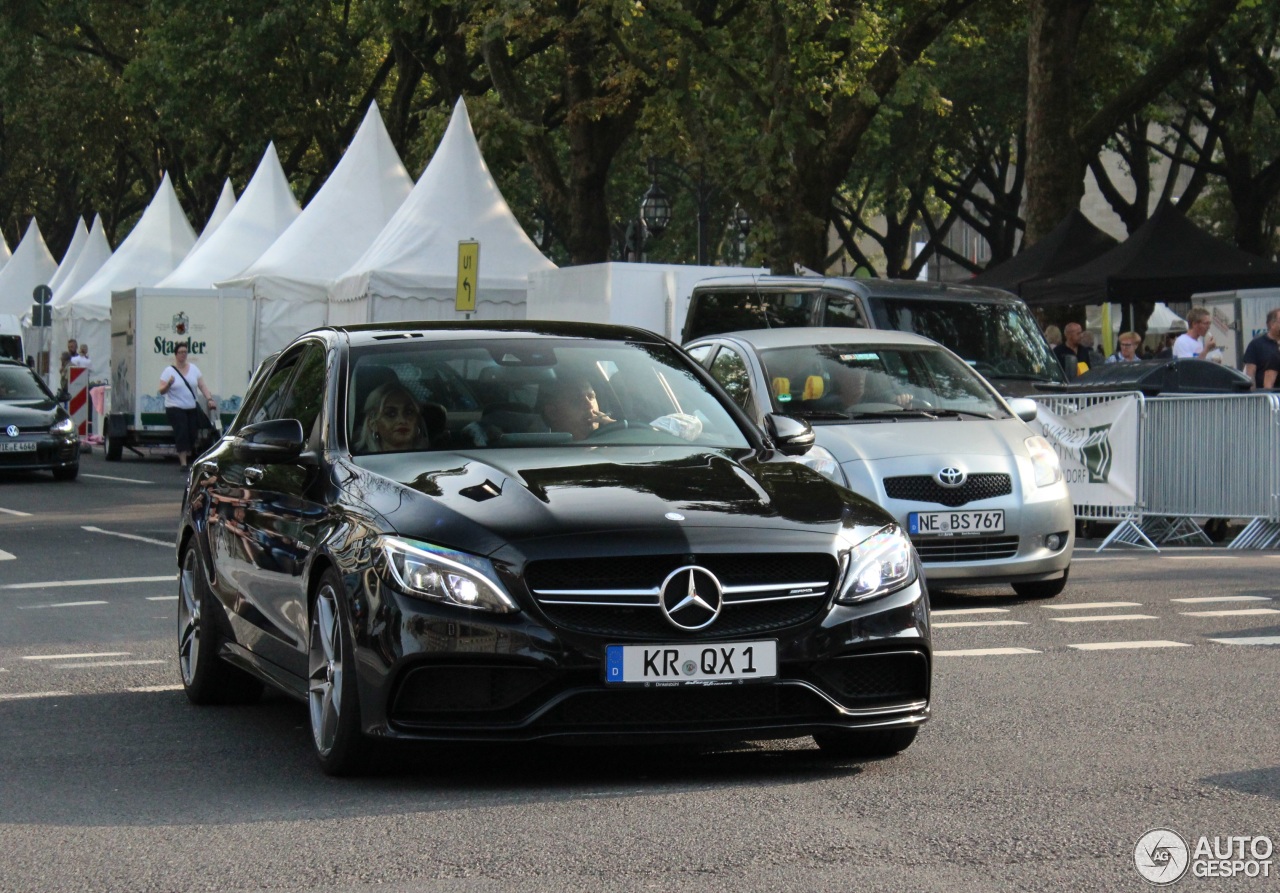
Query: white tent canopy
column 31, row 265
column 5, row 253
column 226, row 201
column 89, row 260
column 264, row 211
column 68, row 261
column 161, row 238
column 410, row 270
column 291, row 280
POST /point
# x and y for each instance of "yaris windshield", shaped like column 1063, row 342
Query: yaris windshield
column 501, row 393
column 837, row 382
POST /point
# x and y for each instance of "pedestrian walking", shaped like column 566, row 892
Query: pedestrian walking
column 179, row 384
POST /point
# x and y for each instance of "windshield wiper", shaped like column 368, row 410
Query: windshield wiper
column 819, row 414
column 956, row 413
column 1019, row 376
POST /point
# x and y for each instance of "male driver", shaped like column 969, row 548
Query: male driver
column 1263, row 350
column 1069, row 353
column 1194, row 344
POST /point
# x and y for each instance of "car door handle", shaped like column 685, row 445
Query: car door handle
column 253, row 474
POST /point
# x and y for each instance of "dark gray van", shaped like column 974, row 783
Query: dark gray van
column 993, row 331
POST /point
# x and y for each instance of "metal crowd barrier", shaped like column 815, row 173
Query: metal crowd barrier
column 1199, row 456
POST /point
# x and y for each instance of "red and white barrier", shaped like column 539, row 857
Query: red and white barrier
column 78, row 404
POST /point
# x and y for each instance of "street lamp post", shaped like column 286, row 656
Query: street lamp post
column 655, row 205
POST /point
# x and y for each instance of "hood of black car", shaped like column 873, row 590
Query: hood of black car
column 480, row 501
column 28, row 413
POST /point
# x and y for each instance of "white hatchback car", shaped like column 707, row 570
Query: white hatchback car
column 907, row 423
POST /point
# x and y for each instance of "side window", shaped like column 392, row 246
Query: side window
column 265, row 402
column 713, row 312
column 305, row 395
column 730, row 370
column 701, row 353
column 843, row 312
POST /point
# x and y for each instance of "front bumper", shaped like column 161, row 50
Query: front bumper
column 432, row 673
column 52, row 451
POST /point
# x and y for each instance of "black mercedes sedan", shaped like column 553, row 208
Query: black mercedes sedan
column 508, row 531
column 36, row 434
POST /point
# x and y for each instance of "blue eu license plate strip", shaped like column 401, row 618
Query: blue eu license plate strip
column 690, row 663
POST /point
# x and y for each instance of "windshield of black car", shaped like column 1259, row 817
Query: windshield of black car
column 503, row 393
column 20, row 383
column 997, row 339
column 828, row 383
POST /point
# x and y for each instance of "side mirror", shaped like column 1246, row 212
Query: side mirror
column 1024, row 408
column 791, row 437
column 275, row 440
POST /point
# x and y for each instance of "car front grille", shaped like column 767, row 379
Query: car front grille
column 621, row 596
column 874, row 680
column 672, row 708
column 923, row 488
column 966, row 548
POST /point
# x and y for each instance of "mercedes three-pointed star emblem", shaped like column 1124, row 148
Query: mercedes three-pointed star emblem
column 691, row 598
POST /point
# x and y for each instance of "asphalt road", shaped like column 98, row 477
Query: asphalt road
column 1047, row 757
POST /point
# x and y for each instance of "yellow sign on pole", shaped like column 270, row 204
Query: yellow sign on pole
column 468, row 275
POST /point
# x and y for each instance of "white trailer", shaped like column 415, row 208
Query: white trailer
column 650, row 296
column 146, row 324
column 1237, row 317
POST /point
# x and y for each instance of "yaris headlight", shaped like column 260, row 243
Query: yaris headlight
column 878, row 565
column 1044, row 460
column 62, row 426
column 444, row 575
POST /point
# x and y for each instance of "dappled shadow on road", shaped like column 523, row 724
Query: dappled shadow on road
column 1262, row 782
column 154, row 759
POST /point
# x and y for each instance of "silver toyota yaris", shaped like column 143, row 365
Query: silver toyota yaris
column 907, row 423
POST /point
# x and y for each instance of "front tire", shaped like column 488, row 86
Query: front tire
column 1043, row 588
column 113, row 448
column 870, row 744
column 332, row 701
column 206, row 678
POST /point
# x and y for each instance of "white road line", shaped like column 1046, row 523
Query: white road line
column 59, row 605
column 131, row 536
column 1247, row 640
column 107, row 477
column 1224, row 598
column 162, row 598
column 15, row 513
column 76, row 656
column 6, row 556
column 1101, row 617
column 952, row 612
column 1106, row 558
column 149, row 688
column 983, row 652
column 101, row 581
column 35, row 694
column 107, row 663
column 980, row 623
column 1089, row 606
column 1240, row 612
column 1116, row 646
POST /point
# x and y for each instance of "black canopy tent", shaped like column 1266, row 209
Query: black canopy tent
column 1072, row 242
column 1166, row 259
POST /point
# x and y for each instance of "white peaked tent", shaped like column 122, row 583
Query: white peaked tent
column 291, row 281
column 89, row 260
column 5, row 253
column 411, row 269
column 226, row 201
column 31, row 265
column 161, row 238
column 264, row 211
column 68, row 261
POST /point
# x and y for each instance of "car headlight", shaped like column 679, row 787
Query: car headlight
column 443, row 575
column 880, row 564
column 66, row 426
column 1044, row 460
column 825, row 464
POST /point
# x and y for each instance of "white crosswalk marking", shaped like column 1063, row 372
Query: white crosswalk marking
column 952, row 612
column 984, row 652
column 1239, row 612
column 980, row 623
column 1118, row 646
column 1089, row 606
column 1103, row 617
column 1250, row 640
column 1223, row 598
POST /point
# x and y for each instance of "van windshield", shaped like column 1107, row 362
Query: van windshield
column 1000, row 341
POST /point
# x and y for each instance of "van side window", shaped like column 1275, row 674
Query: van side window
column 714, row 312
column 730, row 370
column 843, row 312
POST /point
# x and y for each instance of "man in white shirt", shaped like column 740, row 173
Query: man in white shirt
column 1193, row 344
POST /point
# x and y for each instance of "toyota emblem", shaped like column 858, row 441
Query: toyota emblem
column 12, row 430
column 950, row 477
column 691, row 598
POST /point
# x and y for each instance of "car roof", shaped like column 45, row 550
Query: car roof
column 889, row 288
column 801, row 336
column 460, row 330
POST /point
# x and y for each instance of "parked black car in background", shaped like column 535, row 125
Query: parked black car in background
column 392, row 532
column 36, row 434
column 1156, row 377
